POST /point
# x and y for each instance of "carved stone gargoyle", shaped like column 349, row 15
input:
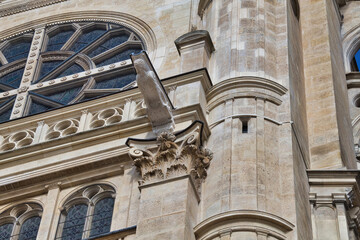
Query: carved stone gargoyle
column 158, row 105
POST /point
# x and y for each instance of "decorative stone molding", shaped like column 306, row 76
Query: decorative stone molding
column 263, row 223
column 171, row 156
column 14, row 7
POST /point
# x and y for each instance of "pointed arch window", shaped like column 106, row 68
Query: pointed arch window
column 65, row 64
column 87, row 213
column 20, row 222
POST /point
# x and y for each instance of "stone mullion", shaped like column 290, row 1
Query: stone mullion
column 30, row 67
column 82, row 75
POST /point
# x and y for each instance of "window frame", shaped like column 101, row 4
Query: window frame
column 18, row 214
column 89, row 196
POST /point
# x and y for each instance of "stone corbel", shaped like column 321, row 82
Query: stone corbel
column 171, row 156
column 158, row 105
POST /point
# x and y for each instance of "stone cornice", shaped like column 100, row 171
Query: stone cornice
column 249, row 86
column 270, row 224
column 18, row 6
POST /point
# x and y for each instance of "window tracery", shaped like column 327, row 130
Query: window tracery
column 87, row 213
column 20, row 222
column 75, row 63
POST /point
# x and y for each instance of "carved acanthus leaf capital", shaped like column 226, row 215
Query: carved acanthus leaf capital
column 172, row 156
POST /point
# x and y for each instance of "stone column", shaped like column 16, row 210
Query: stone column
column 172, row 169
column 195, row 49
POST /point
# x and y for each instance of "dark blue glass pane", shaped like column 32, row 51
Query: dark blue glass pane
column 57, row 41
column 65, row 96
column 73, row 226
column 86, row 38
column 38, row 108
column 357, row 59
column 116, row 82
column 13, row 79
column 101, row 221
column 75, row 68
column 108, row 44
column 29, row 229
column 5, row 116
column 47, row 67
column 120, row 56
column 17, row 51
column 5, row 231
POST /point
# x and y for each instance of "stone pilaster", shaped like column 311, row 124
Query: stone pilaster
column 172, row 168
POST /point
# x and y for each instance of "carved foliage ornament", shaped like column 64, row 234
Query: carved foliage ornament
column 172, row 158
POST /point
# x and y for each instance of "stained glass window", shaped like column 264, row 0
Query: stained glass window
column 17, row 50
column 5, row 231
column 101, row 221
column 115, row 82
column 75, row 68
column 26, row 227
column 58, row 40
column 29, row 229
column 47, row 67
column 89, row 50
column 121, row 56
column 74, row 222
column 108, row 44
column 37, row 107
column 12, row 79
column 82, row 221
column 87, row 38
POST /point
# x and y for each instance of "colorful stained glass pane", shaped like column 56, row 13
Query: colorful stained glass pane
column 57, row 41
column 86, row 38
column 121, row 56
column 29, row 229
column 101, row 221
column 17, row 51
column 108, row 44
column 13, row 79
column 73, row 226
column 116, row 82
column 5, row 231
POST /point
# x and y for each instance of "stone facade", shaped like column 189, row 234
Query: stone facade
column 245, row 124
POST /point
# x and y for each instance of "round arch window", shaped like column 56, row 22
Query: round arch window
column 64, row 64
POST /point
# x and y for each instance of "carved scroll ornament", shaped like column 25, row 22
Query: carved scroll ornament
column 172, row 158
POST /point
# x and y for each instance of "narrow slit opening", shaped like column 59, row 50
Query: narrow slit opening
column 245, row 127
